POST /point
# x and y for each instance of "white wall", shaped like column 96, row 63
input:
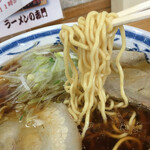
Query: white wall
column 118, row 5
column 70, row 3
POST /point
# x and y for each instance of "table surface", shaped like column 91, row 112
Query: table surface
column 144, row 24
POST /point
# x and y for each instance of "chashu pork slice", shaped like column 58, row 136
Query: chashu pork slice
column 136, row 77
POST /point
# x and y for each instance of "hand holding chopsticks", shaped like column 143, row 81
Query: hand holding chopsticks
column 133, row 14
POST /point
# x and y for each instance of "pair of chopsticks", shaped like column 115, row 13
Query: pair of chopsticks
column 133, row 14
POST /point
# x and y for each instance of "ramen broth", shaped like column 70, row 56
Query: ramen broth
column 97, row 139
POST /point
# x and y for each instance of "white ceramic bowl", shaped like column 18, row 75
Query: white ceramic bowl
column 137, row 40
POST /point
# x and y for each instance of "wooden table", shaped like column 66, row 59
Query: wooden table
column 144, row 24
column 72, row 14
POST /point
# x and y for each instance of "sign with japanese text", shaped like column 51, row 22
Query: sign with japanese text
column 8, row 7
column 36, row 13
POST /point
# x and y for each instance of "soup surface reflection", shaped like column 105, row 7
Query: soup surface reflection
column 97, row 136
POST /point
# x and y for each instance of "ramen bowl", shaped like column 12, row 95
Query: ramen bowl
column 136, row 39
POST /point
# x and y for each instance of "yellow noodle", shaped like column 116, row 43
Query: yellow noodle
column 111, row 105
column 111, row 113
column 116, row 136
column 126, row 139
column 92, row 41
column 116, row 129
column 131, row 121
column 120, row 68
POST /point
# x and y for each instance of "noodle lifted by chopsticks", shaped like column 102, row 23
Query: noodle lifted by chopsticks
column 92, row 41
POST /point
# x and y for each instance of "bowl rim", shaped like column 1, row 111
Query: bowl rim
column 58, row 26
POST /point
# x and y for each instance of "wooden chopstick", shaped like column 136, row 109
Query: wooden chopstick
column 131, row 18
column 134, row 9
column 136, row 13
